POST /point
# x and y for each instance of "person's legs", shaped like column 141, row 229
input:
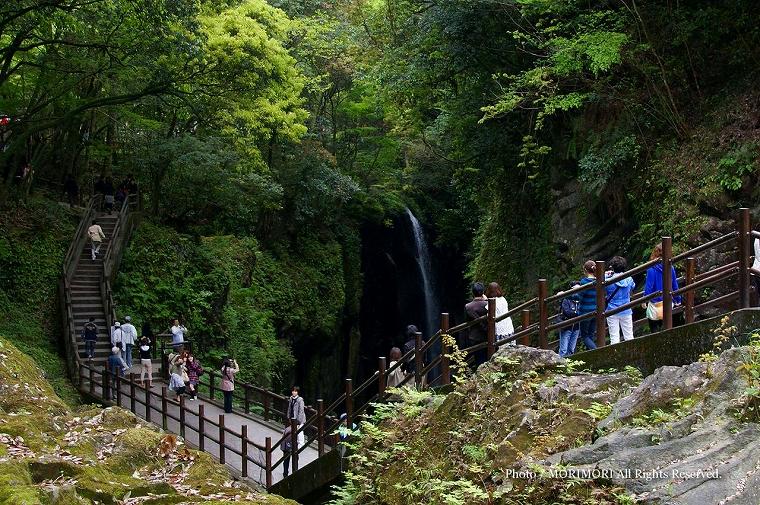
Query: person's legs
column 286, row 465
column 626, row 325
column 228, row 402
column 90, row 346
column 129, row 355
column 300, row 437
column 93, row 249
column 564, row 340
column 588, row 333
column 613, row 323
column 575, row 331
column 655, row 325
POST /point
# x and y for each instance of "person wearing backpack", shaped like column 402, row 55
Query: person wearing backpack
column 90, row 337
column 568, row 337
column 619, row 294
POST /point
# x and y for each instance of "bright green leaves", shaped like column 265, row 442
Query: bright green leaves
column 596, row 52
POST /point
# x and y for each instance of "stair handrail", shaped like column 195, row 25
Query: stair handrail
column 124, row 227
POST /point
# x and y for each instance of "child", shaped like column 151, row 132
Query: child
column 176, row 384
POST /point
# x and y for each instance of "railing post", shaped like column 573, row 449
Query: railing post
column 118, row 389
column 201, row 427
column 543, row 315
column 244, row 449
column 321, row 426
column 221, row 438
column 601, row 305
column 182, row 416
column 294, row 444
column 268, row 461
column 691, row 268
column 525, row 339
column 105, row 386
column 247, row 392
column 417, row 359
column 164, row 409
column 445, row 362
column 147, row 402
column 349, row 402
column 745, row 234
column 92, row 380
column 165, row 364
column 491, row 327
column 132, row 393
column 381, row 375
column 667, row 283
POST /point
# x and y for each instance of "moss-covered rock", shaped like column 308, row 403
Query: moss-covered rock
column 50, row 455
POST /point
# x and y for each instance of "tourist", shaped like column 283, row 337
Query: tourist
column 396, row 377
column 587, row 304
column 146, row 362
column 178, row 335
column 297, row 412
column 117, row 336
column 108, row 195
column 116, row 367
column 619, row 294
column 129, row 334
column 90, row 337
column 653, row 285
column 177, row 384
column 344, row 433
column 410, row 345
column 95, row 232
column 569, row 309
column 504, row 328
column 475, row 309
column 194, row 372
column 286, row 446
column 229, row 369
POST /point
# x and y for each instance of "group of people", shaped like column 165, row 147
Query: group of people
column 185, row 371
column 115, row 194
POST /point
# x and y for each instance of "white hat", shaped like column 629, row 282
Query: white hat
column 114, row 350
column 117, row 324
column 127, row 319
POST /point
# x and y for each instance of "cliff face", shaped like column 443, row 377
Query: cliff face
column 50, row 454
column 531, row 427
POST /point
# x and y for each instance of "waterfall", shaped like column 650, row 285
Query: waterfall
column 422, row 255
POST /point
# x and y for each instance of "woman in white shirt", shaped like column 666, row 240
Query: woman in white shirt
column 756, row 266
column 504, row 328
column 397, row 376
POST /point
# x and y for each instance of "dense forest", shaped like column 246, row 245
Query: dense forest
column 274, row 142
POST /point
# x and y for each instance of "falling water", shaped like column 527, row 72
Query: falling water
column 422, row 255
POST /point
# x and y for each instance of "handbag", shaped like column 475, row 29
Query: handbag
column 654, row 311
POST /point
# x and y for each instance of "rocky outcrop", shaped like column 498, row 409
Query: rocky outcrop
column 50, row 454
column 531, row 427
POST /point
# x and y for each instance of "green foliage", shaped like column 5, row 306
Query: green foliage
column 735, row 165
column 598, row 411
column 598, row 168
column 33, row 241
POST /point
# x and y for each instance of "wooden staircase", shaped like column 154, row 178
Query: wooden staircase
column 86, row 297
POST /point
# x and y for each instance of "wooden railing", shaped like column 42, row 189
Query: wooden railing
column 125, row 225
column 537, row 318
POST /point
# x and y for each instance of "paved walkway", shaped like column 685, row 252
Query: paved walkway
column 258, row 430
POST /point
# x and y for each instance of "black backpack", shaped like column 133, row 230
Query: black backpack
column 569, row 308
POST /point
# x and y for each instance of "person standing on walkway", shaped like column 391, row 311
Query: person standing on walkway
column 177, row 384
column 587, row 304
column 569, row 308
column 478, row 333
column 116, row 368
column 90, row 337
column 397, row 376
column 129, row 334
column 297, row 412
column 504, row 328
column 117, row 337
column 286, row 446
column 619, row 294
column 178, row 335
column 194, row 372
column 146, row 362
column 653, row 285
column 229, row 369
column 95, row 232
